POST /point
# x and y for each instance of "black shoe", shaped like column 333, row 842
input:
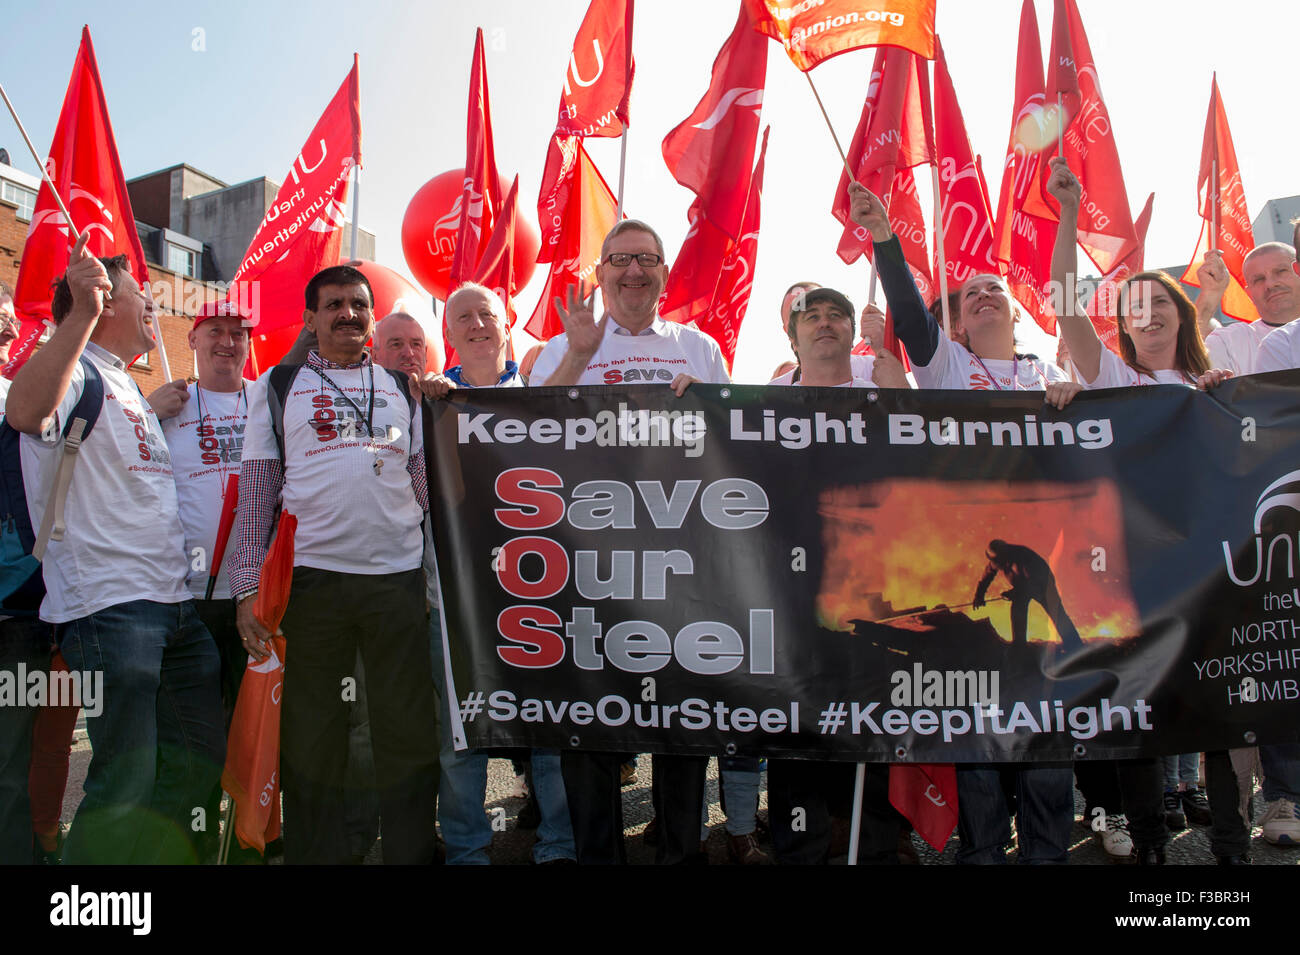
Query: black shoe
column 1154, row 856
column 1243, row 859
column 1196, row 806
column 1175, row 819
column 53, row 857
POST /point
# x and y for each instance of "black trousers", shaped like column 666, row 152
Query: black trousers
column 331, row 615
column 822, row 790
column 25, row 641
column 591, row 781
column 1229, row 833
column 1134, row 787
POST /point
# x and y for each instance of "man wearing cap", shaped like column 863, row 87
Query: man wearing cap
column 203, row 423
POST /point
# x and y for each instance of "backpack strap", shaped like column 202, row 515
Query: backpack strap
column 404, row 386
column 81, row 421
column 277, row 392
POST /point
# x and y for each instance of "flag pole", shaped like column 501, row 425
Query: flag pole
column 871, row 291
column 855, row 828
column 162, row 347
column 1060, row 125
column 76, row 234
column 356, row 204
column 622, row 170
column 844, row 159
column 938, row 242
column 1214, row 209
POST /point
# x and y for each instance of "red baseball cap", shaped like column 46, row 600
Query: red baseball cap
column 223, row 309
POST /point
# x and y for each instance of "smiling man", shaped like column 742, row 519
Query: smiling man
column 1274, row 289
column 345, row 456
column 630, row 344
column 115, row 582
column 8, row 335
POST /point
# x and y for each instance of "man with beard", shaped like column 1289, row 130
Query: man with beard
column 345, row 454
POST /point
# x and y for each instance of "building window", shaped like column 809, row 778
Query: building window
column 21, row 196
column 180, row 261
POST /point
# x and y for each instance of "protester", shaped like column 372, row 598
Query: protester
column 351, row 470
column 477, row 330
column 1273, row 288
column 8, row 335
column 399, row 344
column 137, row 624
column 631, row 276
column 1043, row 791
column 1280, row 348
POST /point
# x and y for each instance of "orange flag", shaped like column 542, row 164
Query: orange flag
column 252, row 772
column 1226, row 223
column 588, row 213
column 813, row 32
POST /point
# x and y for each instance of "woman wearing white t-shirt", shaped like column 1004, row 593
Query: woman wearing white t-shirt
column 1159, row 340
column 989, row 362
column 1044, row 790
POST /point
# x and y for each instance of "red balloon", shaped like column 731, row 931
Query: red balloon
column 429, row 233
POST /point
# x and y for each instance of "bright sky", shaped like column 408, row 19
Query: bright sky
column 240, row 103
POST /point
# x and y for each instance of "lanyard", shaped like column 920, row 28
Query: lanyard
column 1015, row 372
column 203, row 418
column 369, row 416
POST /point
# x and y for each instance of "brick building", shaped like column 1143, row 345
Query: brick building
column 194, row 229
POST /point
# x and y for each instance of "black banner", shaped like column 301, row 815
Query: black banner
column 872, row 575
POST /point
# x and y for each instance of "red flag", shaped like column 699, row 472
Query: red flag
column 1023, row 241
column 587, row 215
column 496, row 270
column 813, row 32
column 597, row 85
column 84, row 166
column 303, row 230
column 229, row 504
column 480, row 199
column 1223, row 204
column 926, row 793
column 1063, row 75
column 1106, row 231
column 711, row 152
column 714, row 274
column 894, row 133
column 964, row 201
column 1102, row 307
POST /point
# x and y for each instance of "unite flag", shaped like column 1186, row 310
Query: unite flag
column 84, row 166
column 302, row 231
column 1235, row 237
column 812, row 32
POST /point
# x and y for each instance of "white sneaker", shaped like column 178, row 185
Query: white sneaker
column 1281, row 822
column 1115, row 838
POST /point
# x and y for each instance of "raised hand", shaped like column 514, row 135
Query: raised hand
column 868, row 211
column 168, row 400
column 1213, row 274
column 1063, row 185
column 871, row 327
column 577, row 312
column 87, row 280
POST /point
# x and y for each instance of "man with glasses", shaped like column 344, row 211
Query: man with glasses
column 630, row 344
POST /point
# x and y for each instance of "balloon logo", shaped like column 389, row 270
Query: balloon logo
column 429, row 233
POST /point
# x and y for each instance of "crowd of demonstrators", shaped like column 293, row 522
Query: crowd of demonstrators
column 334, row 436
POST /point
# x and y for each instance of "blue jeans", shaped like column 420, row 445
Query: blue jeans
column 1281, row 763
column 1185, row 768
column 159, row 743
column 1045, row 800
column 463, row 782
column 738, row 780
column 26, row 642
column 555, row 834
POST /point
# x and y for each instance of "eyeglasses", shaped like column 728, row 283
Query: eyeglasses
column 621, row 260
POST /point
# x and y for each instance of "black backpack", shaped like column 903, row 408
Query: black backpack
column 22, row 586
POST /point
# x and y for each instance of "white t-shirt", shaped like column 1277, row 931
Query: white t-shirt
column 953, row 367
column 1280, row 349
column 202, row 460
column 351, row 519
column 659, row 354
column 430, row 571
column 124, row 539
column 863, row 367
column 1236, row 346
column 5, row 384
column 1115, row 373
